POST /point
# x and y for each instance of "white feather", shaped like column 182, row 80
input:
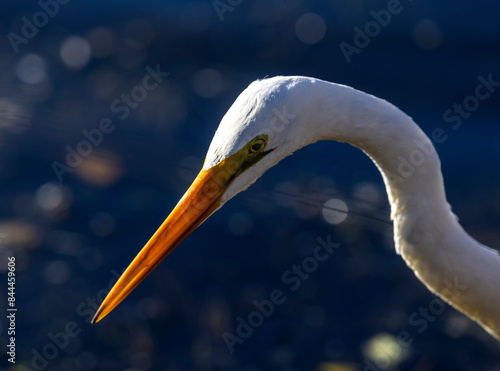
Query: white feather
column 427, row 235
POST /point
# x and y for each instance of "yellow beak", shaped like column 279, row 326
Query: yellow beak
column 199, row 202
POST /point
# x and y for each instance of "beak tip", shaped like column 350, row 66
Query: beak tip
column 96, row 318
column 199, row 202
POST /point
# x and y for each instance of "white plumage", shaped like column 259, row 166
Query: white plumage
column 444, row 257
column 250, row 140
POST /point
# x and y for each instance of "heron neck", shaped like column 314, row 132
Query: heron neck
column 402, row 152
column 426, row 233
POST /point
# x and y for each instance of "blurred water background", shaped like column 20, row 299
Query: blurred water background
column 65, row 67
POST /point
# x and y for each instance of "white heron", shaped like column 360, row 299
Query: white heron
column 249, row 140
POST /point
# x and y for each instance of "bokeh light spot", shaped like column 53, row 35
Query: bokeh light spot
column 102, row 41
column 75, row 52
column 384, row 350
column 19, row 234
column 52, row 197
column 31, row 69
column 338, row 366
column 57, row 272
column 335, row 211
column 14, row 117
column 286, row 194
column 367, row 196
column 310, row 28
column 102, row 224
column 207, row 83
column 101, row 168
column 427, row 34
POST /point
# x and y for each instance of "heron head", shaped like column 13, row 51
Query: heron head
column 257, row 131
column 251, row 138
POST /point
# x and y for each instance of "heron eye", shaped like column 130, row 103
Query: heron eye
column 257, row 146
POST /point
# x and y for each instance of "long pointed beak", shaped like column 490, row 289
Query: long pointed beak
column 199, row 202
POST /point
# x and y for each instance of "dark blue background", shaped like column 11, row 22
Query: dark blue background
column 68, row 237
